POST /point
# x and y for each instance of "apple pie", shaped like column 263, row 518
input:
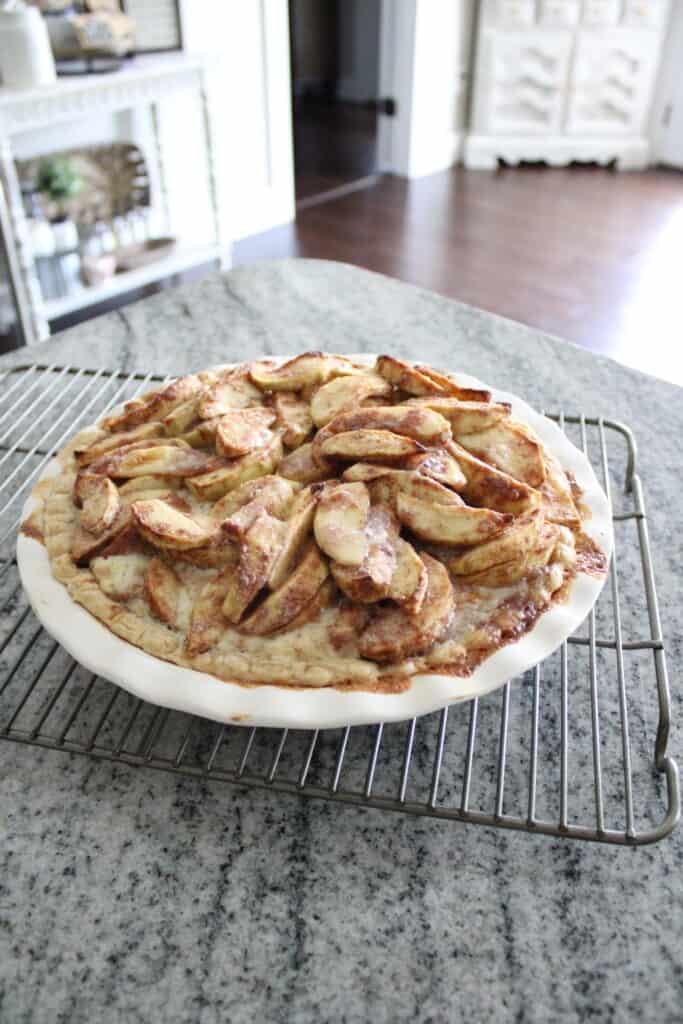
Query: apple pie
column 318, row 522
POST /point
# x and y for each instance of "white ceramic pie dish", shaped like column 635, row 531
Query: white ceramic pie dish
column 98, row 649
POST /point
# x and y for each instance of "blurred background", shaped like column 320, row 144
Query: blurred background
column 523, row 156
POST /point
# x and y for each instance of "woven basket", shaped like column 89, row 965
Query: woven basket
column 115, row 181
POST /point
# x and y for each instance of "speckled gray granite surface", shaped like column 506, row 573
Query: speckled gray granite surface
column 137, row 896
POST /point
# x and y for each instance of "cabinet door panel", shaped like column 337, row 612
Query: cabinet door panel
column 611, row 82
column 526, row 80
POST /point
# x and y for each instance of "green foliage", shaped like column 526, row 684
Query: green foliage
column 58, row 179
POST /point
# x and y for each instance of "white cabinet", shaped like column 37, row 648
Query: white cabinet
column 563, row 80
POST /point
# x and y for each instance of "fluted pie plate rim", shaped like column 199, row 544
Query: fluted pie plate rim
column 94, row 646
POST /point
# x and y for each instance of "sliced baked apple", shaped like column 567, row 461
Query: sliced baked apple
column 274, row 491
column 440, row 466
column 297, row 591
column 144, row 484
column 393, row 634
column 180, row 419
column 297, row 529
column 487, row 486
column 512, row 544
column 447, row 524
column 202, row 434
column 298, row 373
column 340, row 520
column 508, row 573
column 370, row 581
column 219, row 553
column 508, row 447
column 449, row 386
column 154, row 405
column 243, row 430
column 325, row 596
column 166, row 527
column 556, row 492
column 127, row 542
column 404, row 376
column 99, row 499
column 262, row 462
column 357, row 445
column 167, row 597
column 170, row 459
column 233, row 391
column 345, row 392
column 408, row 585
column 347, row 626
column 85, row 545
column 258, row 551
column 207, row 622
column 300, row 465
column 465, row 417
column 385, row 483
column 423, row 425
column 294, row 415
column 275, row 497
column 105, row 445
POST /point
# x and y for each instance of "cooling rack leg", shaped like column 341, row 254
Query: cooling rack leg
column 664, row 763
column 631, row 449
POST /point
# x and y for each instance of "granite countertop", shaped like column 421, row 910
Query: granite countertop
column 139, row 896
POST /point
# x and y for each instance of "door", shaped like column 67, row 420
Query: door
column 335, row 91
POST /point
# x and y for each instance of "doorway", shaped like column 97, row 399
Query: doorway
column 335, row 49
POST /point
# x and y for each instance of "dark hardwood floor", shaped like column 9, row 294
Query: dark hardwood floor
column 588, row 254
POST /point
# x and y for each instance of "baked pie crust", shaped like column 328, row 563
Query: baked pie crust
column 321, row 522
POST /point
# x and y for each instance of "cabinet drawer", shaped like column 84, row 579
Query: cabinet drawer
column 523, row 82
column 626, row 55
column 611, row 82
column 510, row 13
column 558, row 13
column 644, row 13
column 601, row 12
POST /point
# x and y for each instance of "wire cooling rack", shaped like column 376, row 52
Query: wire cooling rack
column 577, row 747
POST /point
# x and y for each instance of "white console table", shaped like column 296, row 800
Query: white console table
column 146, row 81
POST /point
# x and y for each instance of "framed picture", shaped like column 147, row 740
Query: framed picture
column 157, row 24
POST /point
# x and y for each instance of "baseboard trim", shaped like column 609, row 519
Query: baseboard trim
column 484, row 151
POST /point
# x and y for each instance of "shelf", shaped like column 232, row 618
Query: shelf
column 143, row 80
column 175, row 263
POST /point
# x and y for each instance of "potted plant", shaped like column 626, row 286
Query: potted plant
column 58, row 180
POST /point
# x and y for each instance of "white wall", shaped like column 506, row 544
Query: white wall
column 425, row 71
column 250, row 97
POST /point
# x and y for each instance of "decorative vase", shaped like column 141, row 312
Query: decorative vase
column 25, row 56
column 65, row 234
